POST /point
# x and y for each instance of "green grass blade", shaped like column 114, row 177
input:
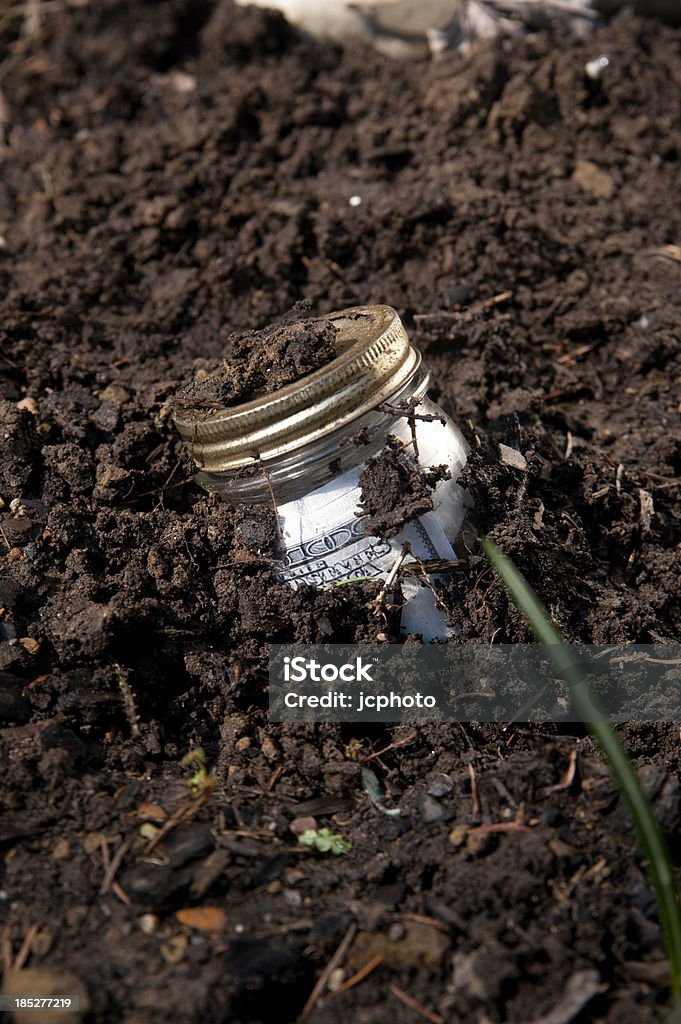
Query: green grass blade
column 650, row 837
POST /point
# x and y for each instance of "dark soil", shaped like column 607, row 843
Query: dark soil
column 261, row 362
column 173, row 172
column 394, row 489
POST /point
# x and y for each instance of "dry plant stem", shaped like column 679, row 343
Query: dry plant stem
column 412, row 1003
column 361, row 974
column 344, row 946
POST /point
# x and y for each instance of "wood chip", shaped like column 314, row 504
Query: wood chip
column 203, row 919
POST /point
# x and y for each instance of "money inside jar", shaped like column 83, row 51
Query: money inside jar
column 327, row 446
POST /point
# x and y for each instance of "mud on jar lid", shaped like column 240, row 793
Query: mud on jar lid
column 374, row 363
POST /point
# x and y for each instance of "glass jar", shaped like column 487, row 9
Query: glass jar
column 305, row 447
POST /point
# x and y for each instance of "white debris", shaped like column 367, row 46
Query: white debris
column 355, row 200
column 595, row 68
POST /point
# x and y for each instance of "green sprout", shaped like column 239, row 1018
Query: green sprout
column 325, row 841
column 201, row 782
column 650, row 837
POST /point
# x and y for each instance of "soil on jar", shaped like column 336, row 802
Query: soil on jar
column 175, row 172
column 261, row 362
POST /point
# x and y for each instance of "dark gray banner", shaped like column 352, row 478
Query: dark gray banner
column 471, row 683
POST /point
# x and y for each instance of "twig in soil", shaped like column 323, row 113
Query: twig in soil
column 474, row 791
column 361, row 974
column 425, row 575
column 113, row 866
column 417, row 1007
column 465, row 314
column 185, row 812
column 379, row 601
column 431, row 922
column 565, row 782
column 392, row 746
column 333, row 963
column 500, row 827
column 9, row 962
column 128, row 701
column 280, row 535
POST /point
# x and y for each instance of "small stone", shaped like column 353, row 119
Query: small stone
column 148, row 883
column 62, row 849
column 112, row 482
column 268, row 748
column 148, row 923
column 336, row 979
column 187, row 843
column 457, row 837
column 116, row 394
column 29, row 644
column 431, row 810
column 593, row 180
column 440, row 785
column 513, row 458
column 293, row 897
column 29, row 404
column 300, row 825
column 243, row 744
column 181, row 82
column 107, row 417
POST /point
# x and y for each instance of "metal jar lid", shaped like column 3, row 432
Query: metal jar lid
column 375, row 362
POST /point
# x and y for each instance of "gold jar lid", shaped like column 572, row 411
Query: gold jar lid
column 375, row 361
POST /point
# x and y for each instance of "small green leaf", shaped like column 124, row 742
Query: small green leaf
column 325, row 841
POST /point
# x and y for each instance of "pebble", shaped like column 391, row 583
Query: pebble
column 148, row 923
column 29, row 405
column 116, row 394
column 457, row 837
column 147, row 883
column 440, row 785
column 430, row 810
column 593, row 180
column 187, row 843
column 62, row 849
column 511, row 457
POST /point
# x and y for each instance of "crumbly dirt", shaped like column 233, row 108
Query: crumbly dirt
column 394, row 489
column 261, row 362
column 175, row 172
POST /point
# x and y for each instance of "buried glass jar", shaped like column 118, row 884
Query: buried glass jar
column 306, row 445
